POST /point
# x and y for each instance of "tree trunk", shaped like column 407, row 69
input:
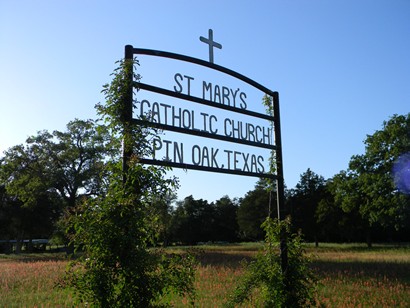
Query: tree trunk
column 19, row 244
column 30, row 245
column 369, row 237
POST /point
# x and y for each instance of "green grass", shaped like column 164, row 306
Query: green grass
column 30, row 281
column 351, row 275
column 354, row 275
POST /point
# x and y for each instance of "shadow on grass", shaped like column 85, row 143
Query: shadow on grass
column 349, row 269
column 358, row 247
column 361, row 270
column 221, row 258
column 34, row 257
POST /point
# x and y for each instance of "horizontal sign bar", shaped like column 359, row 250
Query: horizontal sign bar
column 195, row 99
column 165, row 54
column 203, row 134
column 203, row 168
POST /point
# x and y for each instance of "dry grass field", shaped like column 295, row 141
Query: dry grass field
column 350, row 276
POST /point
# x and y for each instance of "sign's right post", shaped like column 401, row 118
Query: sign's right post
column 280, row 186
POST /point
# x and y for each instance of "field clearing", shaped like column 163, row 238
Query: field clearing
column 350, row 276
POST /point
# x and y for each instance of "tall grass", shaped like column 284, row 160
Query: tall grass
column 361, row 277
column 31, row 282
column 350, row 276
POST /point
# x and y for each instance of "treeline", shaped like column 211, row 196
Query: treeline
column 44, row 182
column 311, row 205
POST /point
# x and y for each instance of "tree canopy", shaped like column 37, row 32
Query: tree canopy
column 303, row 202
column 253, row 210
column 369, row 185
column 69, row 163
column 50, row 173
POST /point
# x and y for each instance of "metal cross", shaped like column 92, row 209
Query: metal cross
column 211, row 43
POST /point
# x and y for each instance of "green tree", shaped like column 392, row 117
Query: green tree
column 196, row 221
column 79, row 154
column 253, row 210
column 334, row 224
column 68, row 164
column 368, row 186
column 304, row 201
column 27, row 190
column 24, row 173
column 226, row 224
column 18, row 221
column 193, row 221
column 162, row 208
column 115, row 229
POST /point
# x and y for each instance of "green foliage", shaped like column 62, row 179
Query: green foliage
column 253, row 210
column 163, row 209
column 333, row 223
column 193, row 221
column 267, row 101
column 116, row 229
column 49, row 174
column 367, row 187
column 196, row 221
column 18, row 221
column 117, row 118
column 118, row 269
column 293, row 287
column 69, row 163
column 304, row 201
column 226, row 224
column 23, row 170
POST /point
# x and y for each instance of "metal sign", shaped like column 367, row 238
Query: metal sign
column 181, row 121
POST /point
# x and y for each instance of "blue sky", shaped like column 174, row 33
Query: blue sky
column 341, row 68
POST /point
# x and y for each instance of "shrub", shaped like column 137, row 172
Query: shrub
column 292, row 287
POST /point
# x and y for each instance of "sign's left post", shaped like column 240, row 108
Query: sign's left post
column 126, row 113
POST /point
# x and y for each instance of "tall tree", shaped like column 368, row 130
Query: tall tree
column 304, row 201
column 334, row 224
column 26, row 189
column 19, row 221
column 79, row 154
column 193, row 221
column 68, row 164
column 368, row 186
column 196, row 221
column 162, row 211
column 226, row 225
column 253, row 210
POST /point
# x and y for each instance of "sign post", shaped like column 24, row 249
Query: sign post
column 280, row 183
column 127, row 110
column 171, row 118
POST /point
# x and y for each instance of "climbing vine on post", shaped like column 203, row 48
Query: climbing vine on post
column 116, row 230
column 280, row 275
column 266, row 284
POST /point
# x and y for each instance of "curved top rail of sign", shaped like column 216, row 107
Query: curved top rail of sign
column 165, row 54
